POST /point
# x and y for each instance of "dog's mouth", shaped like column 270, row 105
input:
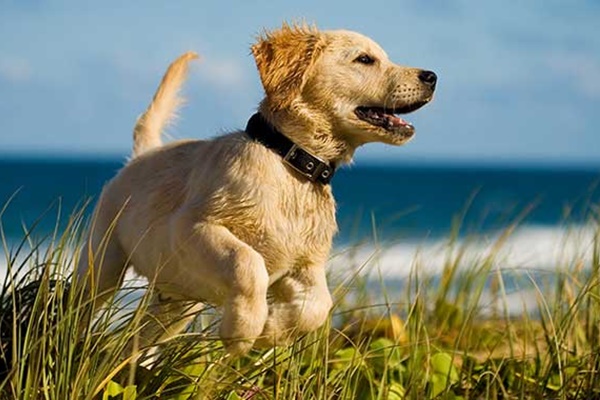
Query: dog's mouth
column 387, row 118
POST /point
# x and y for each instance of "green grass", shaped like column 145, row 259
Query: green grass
column 427, row 339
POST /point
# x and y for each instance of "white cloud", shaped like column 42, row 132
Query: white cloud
column 220, row 73
column 15, row 70
column 223, row 73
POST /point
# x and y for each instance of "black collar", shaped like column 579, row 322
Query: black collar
column 310, row 166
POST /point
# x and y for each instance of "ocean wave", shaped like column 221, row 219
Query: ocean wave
column 34, row 259
column 526, row 248
column 529, row 259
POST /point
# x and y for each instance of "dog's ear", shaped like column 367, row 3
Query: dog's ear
column 283, row 58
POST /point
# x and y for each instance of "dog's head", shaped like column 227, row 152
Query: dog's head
column 339, row 83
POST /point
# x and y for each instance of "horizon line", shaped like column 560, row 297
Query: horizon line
column 367, row 160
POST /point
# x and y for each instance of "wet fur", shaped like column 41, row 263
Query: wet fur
column 225, row 221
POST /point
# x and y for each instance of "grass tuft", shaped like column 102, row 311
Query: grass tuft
column 444, row 336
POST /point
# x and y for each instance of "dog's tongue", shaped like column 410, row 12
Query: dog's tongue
column 389, row 118
column 394, row 121
column 385, row 118
column 397, row 120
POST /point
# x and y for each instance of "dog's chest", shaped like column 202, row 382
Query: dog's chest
column 291, row 227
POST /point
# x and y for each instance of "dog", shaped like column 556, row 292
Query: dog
column 245, row 221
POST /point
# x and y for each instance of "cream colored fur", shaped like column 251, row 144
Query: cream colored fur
column 226, row 221
column 147, row 133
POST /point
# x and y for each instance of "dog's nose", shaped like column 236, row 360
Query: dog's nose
column 428, row 77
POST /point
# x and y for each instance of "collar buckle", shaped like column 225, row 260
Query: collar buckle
column 308, row 164
column 291, row 154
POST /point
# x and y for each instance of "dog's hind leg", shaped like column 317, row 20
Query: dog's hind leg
column 101, row 271
column 102, row 261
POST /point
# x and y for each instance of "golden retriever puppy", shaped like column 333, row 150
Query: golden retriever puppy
column 245, row 221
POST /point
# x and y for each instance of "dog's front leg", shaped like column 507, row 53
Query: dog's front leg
column 301, row 304
column 212, row 260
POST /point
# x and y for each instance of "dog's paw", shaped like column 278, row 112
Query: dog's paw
column 242, row 323
column 274, row 334
column 238, row 342
column 238, row 347
column 267, row 342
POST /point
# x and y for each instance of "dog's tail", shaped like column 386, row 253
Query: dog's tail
column 148, row 129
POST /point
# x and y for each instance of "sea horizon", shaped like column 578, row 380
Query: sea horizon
column 401, row 160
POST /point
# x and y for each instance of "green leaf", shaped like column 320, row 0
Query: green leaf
column 438, row 385
column 396, row 392
column 130, row 392
column 384, row 353
column 115, row 391
column 112, row 389
column 342, row 358
column 441, row 363
column 444, row 373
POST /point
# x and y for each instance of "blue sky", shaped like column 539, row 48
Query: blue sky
column 518, row 80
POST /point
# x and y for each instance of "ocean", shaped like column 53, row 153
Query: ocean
column 394, row 216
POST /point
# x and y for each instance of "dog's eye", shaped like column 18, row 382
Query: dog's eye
column 365, row 59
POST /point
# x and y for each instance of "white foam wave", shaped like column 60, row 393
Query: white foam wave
column 32, row 258
column 526, row 248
